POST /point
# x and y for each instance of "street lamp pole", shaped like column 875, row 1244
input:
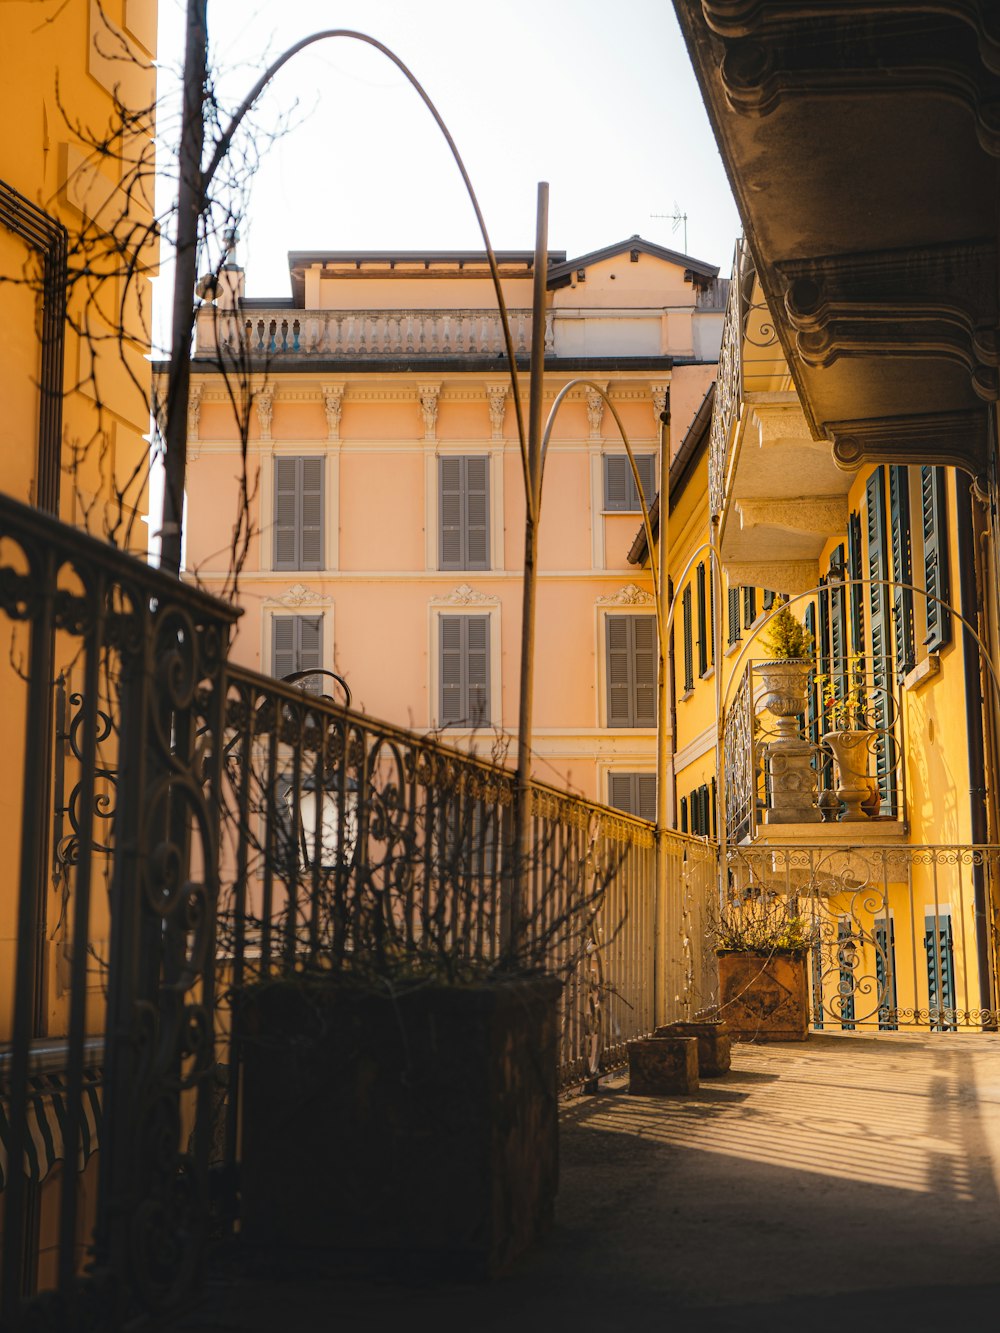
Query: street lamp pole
column 664, row 910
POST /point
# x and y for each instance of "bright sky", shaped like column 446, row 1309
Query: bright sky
column 597, row 98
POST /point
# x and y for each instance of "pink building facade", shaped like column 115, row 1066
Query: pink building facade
column 386, row 503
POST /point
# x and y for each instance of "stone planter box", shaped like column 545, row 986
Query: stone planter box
column 401, row 1136
column 714, row 1045
column 662, row 1066
column 764, row 997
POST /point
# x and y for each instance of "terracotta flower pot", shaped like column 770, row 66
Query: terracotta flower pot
column 764, row 997
column 786, row 681
column 850, row 751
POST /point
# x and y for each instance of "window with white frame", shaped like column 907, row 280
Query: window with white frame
column 464, row 512
column 296, row 644
column 464, row 670
column 298, row 513
column 635, row 793
column 620, row 491
column 630, row 646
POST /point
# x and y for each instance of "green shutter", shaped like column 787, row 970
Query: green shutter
column 880, row 634
column 902, row 570
column 857, row 594
column 700, row 623
column 684, row 814
column 935, row 533
column 749, row 607
column 768, row 599
column 711, row 613
column 733, row 627
column 688, row 640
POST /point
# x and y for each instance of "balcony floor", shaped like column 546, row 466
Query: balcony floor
column 851, row 1182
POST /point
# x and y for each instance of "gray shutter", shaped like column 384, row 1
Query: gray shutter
column 616, row 481
column 283, row 645
column 452, row 702
column 645, row 465
column 477, row 513
column 902, row 569
column 310, row 645
column 286, row 513
column 688, row 640
column 477, row 669
column 451, row 507
column 311, row 513
column 935, row 532
column 644, row 664
column 702, row 646
column 619, row 660
column 733, row 611
column 645, row 796
column 620, row 791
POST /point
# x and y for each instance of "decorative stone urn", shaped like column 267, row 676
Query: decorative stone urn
column 850, row 752
column 791, row 777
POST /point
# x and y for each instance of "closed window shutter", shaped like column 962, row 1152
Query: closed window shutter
column 684, row 814
column 477, row 669
column 712, row 801
column 452, row 511
column 768, row 599
column 283, row 645
column 477, row 518
column 813, row 706
column 311, row 514
column 688, row 640
column 702, row 635
column 286, row 513
column 619, row 661
column 854, row 569
column 644, row 666
column 645, row 796
column 619, row 484
column 465, row 670
column 635, row 793
column 733, row 616
column 880, row 631
column 620, row 790
column 646, row 467
column 838, row 616
column 749, row 607
column 935, row 533
column 902, row 569
column 310, row 630
column 711, row 613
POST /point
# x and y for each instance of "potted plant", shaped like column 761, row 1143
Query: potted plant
column 843, row 699
column 762, row 941
column 785, row 675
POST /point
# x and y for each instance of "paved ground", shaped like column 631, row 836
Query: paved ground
column 849, row 1184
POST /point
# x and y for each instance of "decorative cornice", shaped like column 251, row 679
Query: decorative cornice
column 466, row 595
column 956, row 439
column 429, row 395
column 630, row 595
column 496, row 397
column 927, row 302
column 333, row 403
column 298, row 595
column 787, row 576
column 821, row 515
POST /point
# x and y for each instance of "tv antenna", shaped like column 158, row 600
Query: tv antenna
column 678, row 219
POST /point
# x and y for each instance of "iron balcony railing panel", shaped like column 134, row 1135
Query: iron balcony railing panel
column 108, row 916
column 899, row 936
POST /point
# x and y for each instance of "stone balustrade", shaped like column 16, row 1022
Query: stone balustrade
column 364, row 333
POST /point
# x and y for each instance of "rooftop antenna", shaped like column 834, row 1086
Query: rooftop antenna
column 677, row 218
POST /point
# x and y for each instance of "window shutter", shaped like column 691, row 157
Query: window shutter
column 620, row 791
column 838, row 616
column 644, row 668
column 477, row 511
column 768, row 599
column 619, row 676
column 283, row 645
column 702, row 647
column 733, row 615
column 286, row 513
column 935, row 532
column 645, row 796
column 902, row 569
column 311, row 514
column 749, row 607
column 813, row 704
column 477, row 669
column 711, row 613
column 451, row 507
column 310, row 645
column 645, row 465
column 452, row 703
column 688, row 640
column 854, row 569
column 880, row 631
column 712, row 802
column 684, row 814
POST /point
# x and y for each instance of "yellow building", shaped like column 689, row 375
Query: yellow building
column 386, row 503
column 76, row 215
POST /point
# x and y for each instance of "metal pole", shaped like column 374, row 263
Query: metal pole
column 522, row 790
column 720, row 759
column 190, row 203
column 663, row 920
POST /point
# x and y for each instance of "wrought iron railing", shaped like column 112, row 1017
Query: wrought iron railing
column 728, row 384
column 182, row 828
column 901, row 937
column 749, row 732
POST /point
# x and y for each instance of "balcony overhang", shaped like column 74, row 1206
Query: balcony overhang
column 861, row 142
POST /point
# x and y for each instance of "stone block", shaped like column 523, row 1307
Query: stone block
column 764, row 997
column 714, row 1046
column 658, row 1066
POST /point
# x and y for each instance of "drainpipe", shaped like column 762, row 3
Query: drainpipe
column 975, row 721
